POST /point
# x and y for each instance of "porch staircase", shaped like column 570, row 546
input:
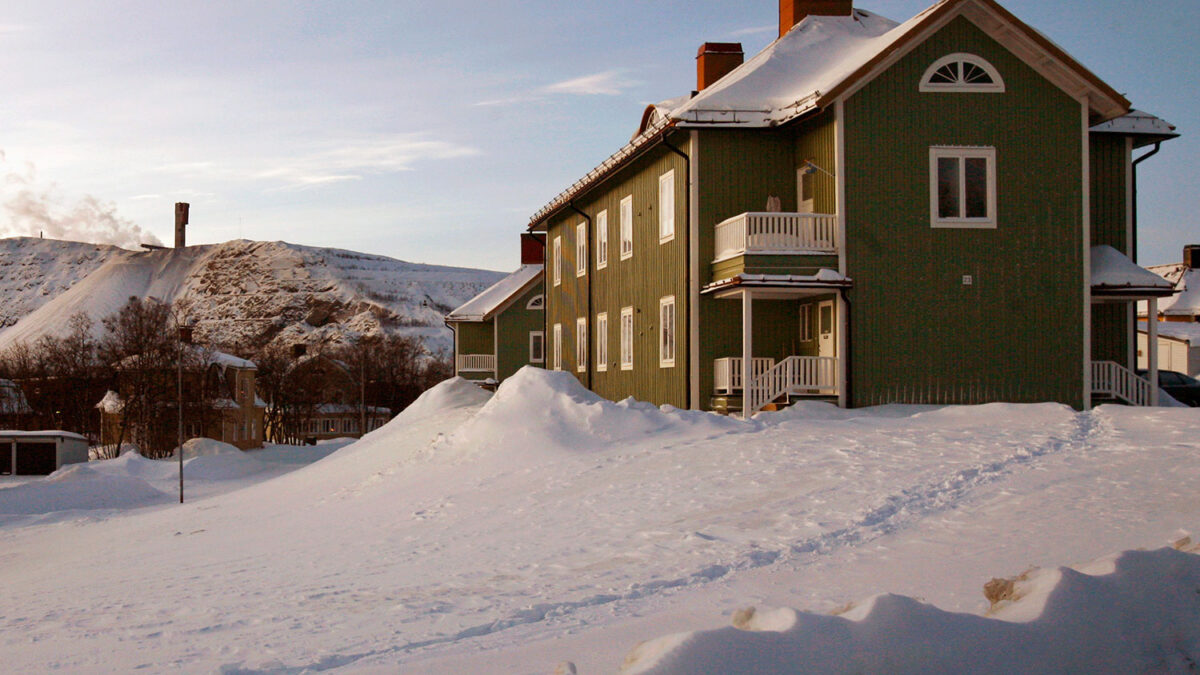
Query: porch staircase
column 793, row 377
column 1112, row 381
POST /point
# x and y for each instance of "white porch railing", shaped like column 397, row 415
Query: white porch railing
column 475, row 362
column 793, row 375
column 777, row 233
column 1113, row 379
column 727, row 373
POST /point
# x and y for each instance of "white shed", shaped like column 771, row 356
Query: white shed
column 40, row 453
column 1178, row 346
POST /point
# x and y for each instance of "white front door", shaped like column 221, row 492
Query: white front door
column 826, row 335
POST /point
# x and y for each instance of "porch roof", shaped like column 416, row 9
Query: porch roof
column 1113, row 274
column 824, row 279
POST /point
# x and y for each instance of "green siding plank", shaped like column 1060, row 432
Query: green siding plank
column 513, row 327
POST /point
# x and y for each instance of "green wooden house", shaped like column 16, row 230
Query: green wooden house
column 503, row 328
column 865, row 212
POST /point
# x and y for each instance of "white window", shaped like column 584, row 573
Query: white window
column 556, row 253
column 627, row 227
column 537, row 347
column 602, row 240
column 626, row 338
column 666, row 207
column 581, row 348
column 557, row 346
column 581, row 249
column 962, row 187
column 537, row 302
column 962, row 73
column 806, row 326
column 602, row 341
column 666, row 332
column 806, row 190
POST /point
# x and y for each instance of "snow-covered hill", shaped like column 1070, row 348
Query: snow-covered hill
column 236, row 291
column 513, row 532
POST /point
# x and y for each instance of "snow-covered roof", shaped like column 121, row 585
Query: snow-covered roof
column 1139, row 123
column 230, row 361
column 48, row 433
column 484, row 305
column 1113, row 273
column 1187, row 301
column 349, row 408
column 1187, row 332
column 824, row 278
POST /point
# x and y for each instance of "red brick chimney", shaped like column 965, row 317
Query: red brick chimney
column 1191, row 256
column 181, row 221
column 715, row 60
column 533, row 249
column 792, row 12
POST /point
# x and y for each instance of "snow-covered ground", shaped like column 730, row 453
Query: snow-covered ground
column 544, row 526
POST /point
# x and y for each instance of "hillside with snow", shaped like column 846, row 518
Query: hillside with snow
column 544, row 530
column 236, row 291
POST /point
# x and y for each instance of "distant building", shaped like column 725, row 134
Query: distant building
column 325, row 401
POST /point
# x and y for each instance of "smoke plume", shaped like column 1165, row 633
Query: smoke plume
column 43, row 212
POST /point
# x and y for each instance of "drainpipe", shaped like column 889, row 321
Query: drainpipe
column 1134, row 198
column 687, row 261
column 847, row 385
column 590, row 273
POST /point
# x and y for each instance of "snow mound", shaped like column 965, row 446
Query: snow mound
column 133, row 464
column 206, row 447
column 539, row 410
column 78, row 487
column 455, row 392
column 1137, row 611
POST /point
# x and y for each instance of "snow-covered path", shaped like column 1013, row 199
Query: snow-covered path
column 548, row 525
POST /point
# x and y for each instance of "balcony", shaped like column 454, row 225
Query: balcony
column 475, row 363
column 777, row 234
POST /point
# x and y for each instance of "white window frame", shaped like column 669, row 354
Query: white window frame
column 962, row 153
column 806, row 174
column 557, row 356
column 666, row 207
column 996, row 86
column 581, row 344
column 602, row 342
column 627, row 227
column 602, row 239
column 581, row 254
column 537, row 346
column 627, row 338
column 666, row 332
column 537, row 302
column 806, row 322
column 556, row 253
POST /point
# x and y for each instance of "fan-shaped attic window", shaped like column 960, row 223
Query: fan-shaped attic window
column 536, row 302
column 962, row 72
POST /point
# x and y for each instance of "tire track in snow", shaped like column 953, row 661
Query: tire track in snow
column 896, row 511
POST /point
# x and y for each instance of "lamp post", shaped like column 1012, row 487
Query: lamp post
column 183, row 336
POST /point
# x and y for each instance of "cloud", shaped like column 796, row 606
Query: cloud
column 34, row 211
column 355, row 159
column 754, row 30
column 608, row 83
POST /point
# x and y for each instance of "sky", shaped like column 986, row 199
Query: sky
column 426, row 131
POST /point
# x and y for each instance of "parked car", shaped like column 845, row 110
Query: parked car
column 1183, row 388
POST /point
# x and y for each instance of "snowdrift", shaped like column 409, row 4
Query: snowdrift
column 1135, row 612
column 79, row 487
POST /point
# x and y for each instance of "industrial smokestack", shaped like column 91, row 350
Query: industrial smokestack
column 181, row 221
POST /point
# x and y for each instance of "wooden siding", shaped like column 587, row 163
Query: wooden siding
column 816, row 140
column 918, row 334
column 773, row 264
column 1110, row 333
column 1109, row 168
column 513, row 327
column 656, row 270
column 476, row 337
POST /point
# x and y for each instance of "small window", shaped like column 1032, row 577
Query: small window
column 627, row 338
column 666, row 332
column 962, row 73
column 602, row 341
column 806, row 327
column 556, row 253
column 537, row 302
column 806, row 190
column 602, row 240
column 581, row 249
column 666, row 207
column 962, row 187
column 537, row 347
column 581, row 348
column 557, row 346
column 627, row 227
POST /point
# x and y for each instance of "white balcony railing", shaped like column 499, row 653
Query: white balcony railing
column 1115, row 380
column 727, row 373
column 475, row 363
column 786, row 233
column 795, row 375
